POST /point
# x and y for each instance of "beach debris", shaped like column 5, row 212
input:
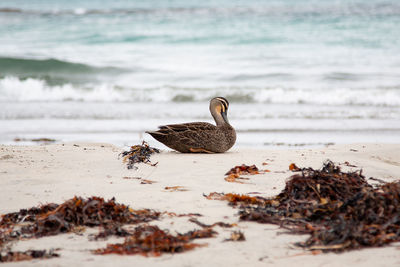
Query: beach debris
column 131, row 178
column 94, row 211
column 293, row 167
column 138, row 154
column 5, row 157
column 38, row 140
column 233, row 179
column 253, row 193
column 349, row 165
column 12, row 256
column 377, row 180
column 220, row 224
column 236, row 236
column 25, row 215
column 150, row 240
column 340, row 210
column 176, row 188
column 146, row 181
column 110, row 230
column 243, row 170
column 234, row 174
column 173, row 214
column 75, row 214
column 53, row 219
column 235, row 199
column 142, row 180
column 298, row 144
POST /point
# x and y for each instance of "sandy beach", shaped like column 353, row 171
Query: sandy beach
column 304, row 82
column 34, row 175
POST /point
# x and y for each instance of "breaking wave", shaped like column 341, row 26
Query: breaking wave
column 13, row 89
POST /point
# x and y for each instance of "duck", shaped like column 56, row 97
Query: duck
column 200, row 137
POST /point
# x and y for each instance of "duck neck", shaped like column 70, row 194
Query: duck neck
column 220, row 119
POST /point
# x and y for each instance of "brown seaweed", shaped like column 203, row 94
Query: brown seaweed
column 175, row 188
column 340, row 210
column 236, row 236
column 53, row 219
column 43, row 139
column 152, row 241
column 75, row 214
column 94, row 211
column 12, row 256
column 243, row 169
column 138, row 154
column 234, row 199
column 220, row 224
column 234, row 174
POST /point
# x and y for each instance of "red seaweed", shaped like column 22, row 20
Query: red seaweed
column 340, row 210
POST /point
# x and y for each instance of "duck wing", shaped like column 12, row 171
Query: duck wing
column 187, row 127
column 190, row 135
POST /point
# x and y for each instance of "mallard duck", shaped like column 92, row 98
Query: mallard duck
column 200, row 137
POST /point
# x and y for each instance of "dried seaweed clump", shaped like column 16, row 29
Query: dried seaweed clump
column 340, row 211
column 78, row 212
column 235, row 199
column 234, row 174
column 25, row 215
column 149, row 240
column 12, row 256
column 243, row 169
column 138, row 154
column 53, row 219
column 94, row 211
column 236, row 236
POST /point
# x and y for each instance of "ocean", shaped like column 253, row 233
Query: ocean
column 296, row 73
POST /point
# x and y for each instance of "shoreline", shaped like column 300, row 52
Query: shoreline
column 33, row 175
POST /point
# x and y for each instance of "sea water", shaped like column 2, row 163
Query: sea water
column 296, row 73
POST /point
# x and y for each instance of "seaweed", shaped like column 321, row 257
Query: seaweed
column 234, row 199
column 236, row 236
column 43, row 139
column 340, row 210
column 234, row 174
column 243, row 169
column 53, row 219
column 138, row 154
column 220, row 224
column 152, row 241
column 77, row 213
column 13, row 256
column 175, row 188
column 94, row 211
column 25, row 215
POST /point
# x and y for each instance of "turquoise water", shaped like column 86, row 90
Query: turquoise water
column 297, row 72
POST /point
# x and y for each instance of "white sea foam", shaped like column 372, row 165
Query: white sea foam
column 80, row 11
column 14, row 89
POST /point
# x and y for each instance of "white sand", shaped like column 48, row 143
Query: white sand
column 31, row 175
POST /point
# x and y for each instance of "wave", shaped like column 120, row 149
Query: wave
column 372, row 9
column 27, row 90
column 53, row 71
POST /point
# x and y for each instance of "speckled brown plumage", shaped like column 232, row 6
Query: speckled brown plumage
column 200, row 136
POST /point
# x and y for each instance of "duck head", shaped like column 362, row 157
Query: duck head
column 219, row 110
